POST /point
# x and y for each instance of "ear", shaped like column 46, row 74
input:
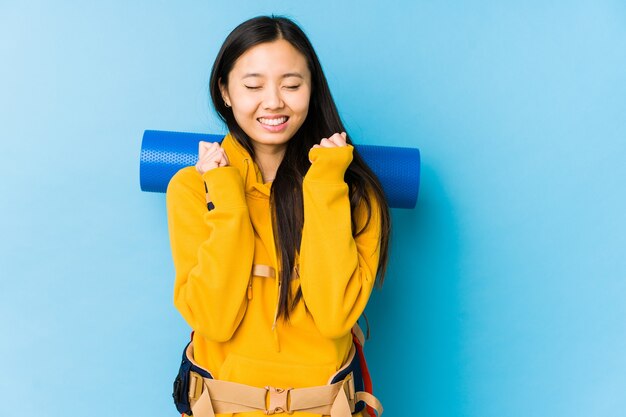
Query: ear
column 224, row 91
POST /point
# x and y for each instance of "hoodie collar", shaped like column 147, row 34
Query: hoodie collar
column 239, row 157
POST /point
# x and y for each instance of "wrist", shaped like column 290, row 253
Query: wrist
column 329, row 164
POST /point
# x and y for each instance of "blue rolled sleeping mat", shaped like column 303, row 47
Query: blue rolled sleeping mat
column 163, row 153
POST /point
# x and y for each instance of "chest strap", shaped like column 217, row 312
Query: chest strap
column 266, row 271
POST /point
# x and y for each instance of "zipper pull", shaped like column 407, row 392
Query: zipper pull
column 250, row 289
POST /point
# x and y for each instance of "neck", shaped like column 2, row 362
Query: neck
column 268, row 158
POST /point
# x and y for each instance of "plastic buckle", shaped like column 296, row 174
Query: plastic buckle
column 279, row 400
column 195, row 385
column 350, row 390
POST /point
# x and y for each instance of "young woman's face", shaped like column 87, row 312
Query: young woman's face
column 269, row 89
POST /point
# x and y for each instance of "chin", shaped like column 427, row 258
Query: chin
column 272, row 139
column 276, row 142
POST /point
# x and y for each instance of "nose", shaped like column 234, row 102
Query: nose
column 272, row 98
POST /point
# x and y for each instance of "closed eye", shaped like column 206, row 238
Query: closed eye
column 288, row 87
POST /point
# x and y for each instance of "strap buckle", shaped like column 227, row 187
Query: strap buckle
column 196, row 383
column 278, row 400
column 350, row 390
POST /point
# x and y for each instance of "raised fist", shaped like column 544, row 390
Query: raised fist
column 210, row 155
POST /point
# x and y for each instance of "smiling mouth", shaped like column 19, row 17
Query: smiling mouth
column 273, row 122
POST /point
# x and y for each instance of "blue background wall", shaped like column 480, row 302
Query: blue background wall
column 505, row 294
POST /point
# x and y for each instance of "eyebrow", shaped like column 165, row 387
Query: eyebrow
column 287, row 75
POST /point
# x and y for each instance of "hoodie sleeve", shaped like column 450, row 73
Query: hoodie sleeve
column 210, row 284
column 337, row 270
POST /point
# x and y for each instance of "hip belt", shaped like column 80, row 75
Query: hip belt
column 197, row 393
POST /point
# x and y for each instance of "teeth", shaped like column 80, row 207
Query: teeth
column 273, row 122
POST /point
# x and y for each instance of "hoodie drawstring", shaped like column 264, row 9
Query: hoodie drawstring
column 274, row 324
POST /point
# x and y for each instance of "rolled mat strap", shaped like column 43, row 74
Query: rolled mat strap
column 163, row 153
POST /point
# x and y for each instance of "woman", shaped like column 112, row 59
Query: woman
column 277, row 234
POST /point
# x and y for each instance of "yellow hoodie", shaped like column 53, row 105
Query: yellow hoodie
column 237, row 336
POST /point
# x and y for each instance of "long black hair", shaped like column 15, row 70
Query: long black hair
column 322, row 121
